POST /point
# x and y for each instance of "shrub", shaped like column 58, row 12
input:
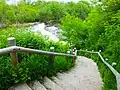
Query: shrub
column 74, row 30
column 96, row 34
column 31, row 66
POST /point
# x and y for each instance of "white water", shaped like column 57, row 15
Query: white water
column 47, row 31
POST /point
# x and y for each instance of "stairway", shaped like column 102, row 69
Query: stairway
column 84, row 76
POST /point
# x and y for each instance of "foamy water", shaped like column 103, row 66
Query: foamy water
column 41, row 28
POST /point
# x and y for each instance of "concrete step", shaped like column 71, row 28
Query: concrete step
column 64, row 85
column 36, row 85
column 20, row 87
column 50, row 85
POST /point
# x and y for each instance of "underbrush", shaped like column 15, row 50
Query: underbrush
column 30, row 66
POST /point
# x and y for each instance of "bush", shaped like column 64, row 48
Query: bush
column 31, row 66
column 96, row 33
column 74, row 30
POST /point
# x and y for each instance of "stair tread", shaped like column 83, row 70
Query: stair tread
column 20, row 87
column 36, row 85
column 50, row 85
column 64, row 85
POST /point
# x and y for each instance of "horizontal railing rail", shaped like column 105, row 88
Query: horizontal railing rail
column 13, row 49
column 117, row 75
column 28, row 50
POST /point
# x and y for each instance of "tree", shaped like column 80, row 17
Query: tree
column 2, row 11
column 80, row 9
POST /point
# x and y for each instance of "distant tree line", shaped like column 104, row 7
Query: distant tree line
column 42, row 11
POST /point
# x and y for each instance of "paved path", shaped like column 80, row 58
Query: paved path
column 84, row 76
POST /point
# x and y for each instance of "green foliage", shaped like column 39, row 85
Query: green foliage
column 74, row 30
column 52, row 11
column 84, row 26
column 101, row 30
column 41, row 11
column 62, row 67
column 31, row 66
column 80, row 9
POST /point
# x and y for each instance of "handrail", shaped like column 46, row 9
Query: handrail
column 111, row 68
column 13, row 49
column 117, row 75
column 28, row 50
column 7, row 50
column 87, row 51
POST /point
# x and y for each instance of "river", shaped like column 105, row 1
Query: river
column 52, row 32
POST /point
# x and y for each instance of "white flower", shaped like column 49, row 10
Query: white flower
column 51, row 48
column 113, row 64
column 99, row 50
column 68, row 51
column 106, row 59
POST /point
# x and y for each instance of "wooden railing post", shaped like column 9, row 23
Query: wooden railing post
column 51, row 61
column 52, row 56
column 14, row 57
